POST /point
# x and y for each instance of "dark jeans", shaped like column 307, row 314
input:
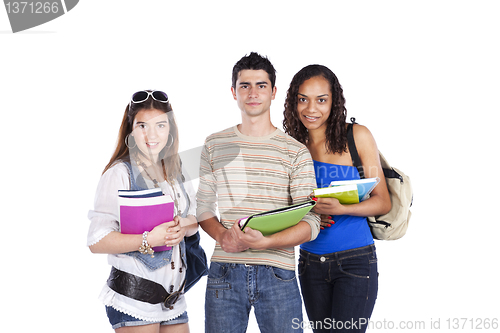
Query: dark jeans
column 339, row 289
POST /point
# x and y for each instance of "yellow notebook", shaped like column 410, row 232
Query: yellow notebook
column 275, row 220
column 346, row 194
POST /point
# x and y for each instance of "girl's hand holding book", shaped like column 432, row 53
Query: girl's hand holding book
column 173, row 232
column 163, row 234
column 329, row 206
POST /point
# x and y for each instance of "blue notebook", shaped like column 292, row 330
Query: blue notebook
column 365, row 186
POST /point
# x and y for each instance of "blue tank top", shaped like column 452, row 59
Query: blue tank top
column 348, row 232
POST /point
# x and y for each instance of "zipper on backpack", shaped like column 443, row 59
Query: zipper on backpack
column 385, row 224
column 391, row 173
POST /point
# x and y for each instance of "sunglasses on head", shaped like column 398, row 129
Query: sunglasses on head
column 142, row 96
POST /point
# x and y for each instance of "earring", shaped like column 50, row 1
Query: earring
column 127, row 139
column 170, row 136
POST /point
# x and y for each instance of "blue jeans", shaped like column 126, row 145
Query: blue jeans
column 232, row 289
column 339, row 289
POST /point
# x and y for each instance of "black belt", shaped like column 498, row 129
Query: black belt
column 141, row 289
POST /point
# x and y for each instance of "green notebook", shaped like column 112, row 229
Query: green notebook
column 275, row 220
column 346, row 194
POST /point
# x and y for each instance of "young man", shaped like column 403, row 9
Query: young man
column 246, row 169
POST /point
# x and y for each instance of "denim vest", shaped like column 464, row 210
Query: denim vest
column 162, row 258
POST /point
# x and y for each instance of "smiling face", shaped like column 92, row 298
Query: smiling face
column 314, row 103
column 151, row 131
column 253, row 92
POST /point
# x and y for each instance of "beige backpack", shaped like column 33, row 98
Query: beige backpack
column 394, row 224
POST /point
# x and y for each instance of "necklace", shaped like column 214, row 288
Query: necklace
column 155, row 182
column 175, row 195
column 141, row 164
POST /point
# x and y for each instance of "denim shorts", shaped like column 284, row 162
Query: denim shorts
column 119, row 319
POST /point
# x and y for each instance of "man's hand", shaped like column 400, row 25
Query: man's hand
column 230, row 241
column 251, row 238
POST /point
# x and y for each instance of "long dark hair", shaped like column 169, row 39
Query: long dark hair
column 169, row 157
column 336, row 133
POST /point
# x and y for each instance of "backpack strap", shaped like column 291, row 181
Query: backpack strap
column 356, row 161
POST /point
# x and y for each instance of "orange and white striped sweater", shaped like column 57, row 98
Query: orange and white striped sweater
column 242, row 175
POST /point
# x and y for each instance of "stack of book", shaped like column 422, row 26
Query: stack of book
column 348, row 191
column 143, row 210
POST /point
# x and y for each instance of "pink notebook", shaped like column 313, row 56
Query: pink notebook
column 143, row 214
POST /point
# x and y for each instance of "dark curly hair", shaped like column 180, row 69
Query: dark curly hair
column 336, row 132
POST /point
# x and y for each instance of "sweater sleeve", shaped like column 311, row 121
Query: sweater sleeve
column 302, row 183
column 206, row 197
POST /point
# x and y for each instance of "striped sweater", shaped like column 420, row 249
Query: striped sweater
column 242, row 175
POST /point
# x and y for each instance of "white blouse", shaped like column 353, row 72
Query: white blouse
column 105, row 219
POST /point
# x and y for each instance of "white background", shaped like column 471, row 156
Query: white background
column 423, row 76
